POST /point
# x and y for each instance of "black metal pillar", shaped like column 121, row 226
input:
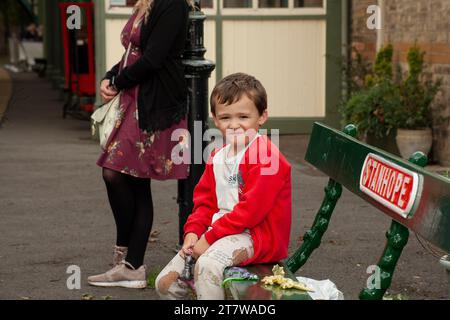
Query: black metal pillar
column 197, row 72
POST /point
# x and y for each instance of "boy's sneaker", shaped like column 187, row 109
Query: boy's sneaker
column 121, row 276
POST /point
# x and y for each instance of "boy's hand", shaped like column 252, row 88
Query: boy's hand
column 200, row 247
column 189, row 242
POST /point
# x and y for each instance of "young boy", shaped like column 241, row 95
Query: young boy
column 242, row 206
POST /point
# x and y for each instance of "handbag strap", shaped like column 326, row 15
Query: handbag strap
column 127, row 53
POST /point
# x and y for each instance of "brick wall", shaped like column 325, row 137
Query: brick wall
column 363, row 39
column 427, row 24
column 407, row 22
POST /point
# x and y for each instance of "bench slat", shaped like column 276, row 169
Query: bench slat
column 254, row 290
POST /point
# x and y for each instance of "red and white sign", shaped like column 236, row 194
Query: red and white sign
column 389, row 184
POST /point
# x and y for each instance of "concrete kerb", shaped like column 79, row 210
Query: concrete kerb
column 5, row 92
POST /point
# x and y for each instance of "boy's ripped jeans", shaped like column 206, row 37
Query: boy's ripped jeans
column 208, row 271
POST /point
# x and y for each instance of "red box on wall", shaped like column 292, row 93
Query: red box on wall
column 79, row 50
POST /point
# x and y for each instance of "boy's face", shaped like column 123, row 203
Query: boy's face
column 240, row 121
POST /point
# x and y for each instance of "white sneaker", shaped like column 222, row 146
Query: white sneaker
column 121, row 276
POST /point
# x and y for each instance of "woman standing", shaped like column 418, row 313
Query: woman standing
column 153, row 104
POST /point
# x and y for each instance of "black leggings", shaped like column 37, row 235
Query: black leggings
column 131, row 203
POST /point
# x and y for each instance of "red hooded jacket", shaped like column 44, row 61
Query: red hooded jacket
column 264, row 205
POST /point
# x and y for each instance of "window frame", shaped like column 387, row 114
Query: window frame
column 253, row 11
column 290, row 10
column 117, row 9
column 211, row 11
column 125, row 10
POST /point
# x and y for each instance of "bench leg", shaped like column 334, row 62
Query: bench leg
column 397, row 239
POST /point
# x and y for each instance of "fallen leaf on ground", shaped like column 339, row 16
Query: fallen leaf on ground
column 155, row 233
column 87, row 296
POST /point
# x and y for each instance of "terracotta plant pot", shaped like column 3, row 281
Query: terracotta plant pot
column 410, row 141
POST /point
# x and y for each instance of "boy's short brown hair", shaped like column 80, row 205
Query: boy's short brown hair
column 231, row 88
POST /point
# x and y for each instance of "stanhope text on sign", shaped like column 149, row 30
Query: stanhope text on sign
column 389, row 184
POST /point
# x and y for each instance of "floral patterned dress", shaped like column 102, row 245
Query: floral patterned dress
column 131, row 150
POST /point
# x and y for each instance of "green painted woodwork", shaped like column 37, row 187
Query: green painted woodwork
column 333, row 75
column 27, row 6
column 341, row 157
column 397, row 239
column 255, row 290
column 100, row 46
column 53, row 48
column 313, row 237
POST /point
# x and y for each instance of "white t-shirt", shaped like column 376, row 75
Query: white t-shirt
column 226, row 173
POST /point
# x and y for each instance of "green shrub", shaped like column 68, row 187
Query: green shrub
column 417, row 94
column 371, row 107
column 384, row 103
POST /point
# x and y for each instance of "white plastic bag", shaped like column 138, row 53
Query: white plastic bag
column 323, row 290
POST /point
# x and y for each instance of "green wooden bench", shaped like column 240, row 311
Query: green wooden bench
column 414, row 198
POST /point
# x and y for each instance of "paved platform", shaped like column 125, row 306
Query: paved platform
column 54, row 213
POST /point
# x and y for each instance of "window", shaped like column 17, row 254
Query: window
column 207, row 4
column 237, row 3
column 273, row 3
column 131, row 3
column 308, row 3
column 268, row 7
column 122, row 3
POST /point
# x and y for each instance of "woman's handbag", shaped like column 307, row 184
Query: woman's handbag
column 104, row 119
